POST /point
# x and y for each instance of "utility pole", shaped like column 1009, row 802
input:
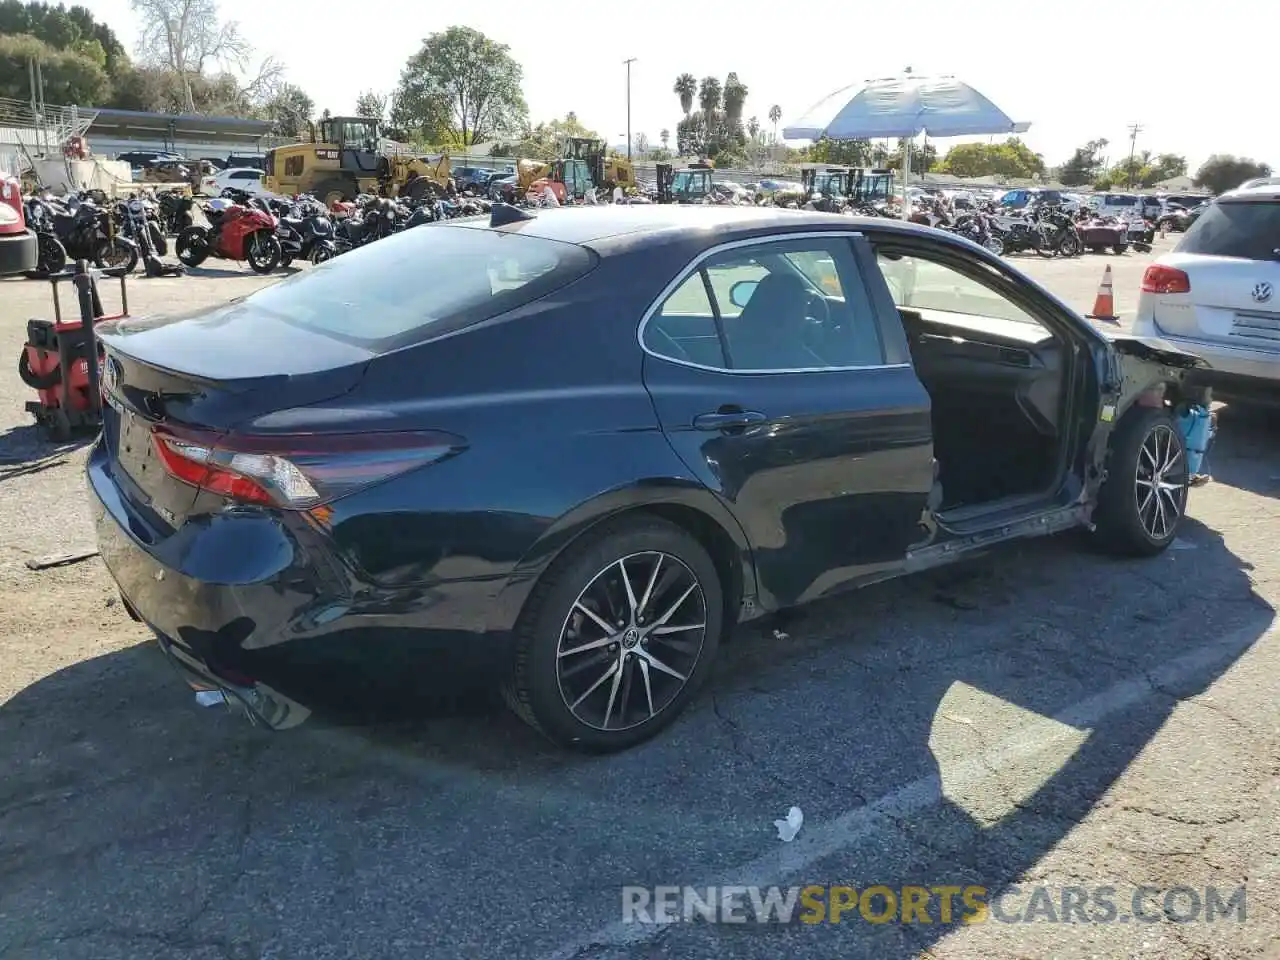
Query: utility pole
column 628, row 62
column 1134, row 130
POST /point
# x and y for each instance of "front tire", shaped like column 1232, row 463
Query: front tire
column 617, row 636
column 1144, row 498
column 116, row 256
column 262, row 251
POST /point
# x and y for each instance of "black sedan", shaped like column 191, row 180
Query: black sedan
column 583, row 445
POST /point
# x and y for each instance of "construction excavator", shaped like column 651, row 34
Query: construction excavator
column 344, row 158
column 584, row 168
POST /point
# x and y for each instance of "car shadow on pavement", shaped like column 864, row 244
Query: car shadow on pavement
column 134, row 825
column 1242, row 453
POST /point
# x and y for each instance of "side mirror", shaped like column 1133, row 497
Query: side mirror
column 740, row 293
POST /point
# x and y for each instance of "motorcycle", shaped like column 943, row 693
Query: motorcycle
column 133, row 218
column 84, row 231
column 1060, row 233
column 237, row 232
column 975, row 226
column 305, row 232
column 1018, row 233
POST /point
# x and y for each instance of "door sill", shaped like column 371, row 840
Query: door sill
column 1013, row 523
column 972, row 518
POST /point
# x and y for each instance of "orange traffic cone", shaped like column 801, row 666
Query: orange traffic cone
column 1104, row 304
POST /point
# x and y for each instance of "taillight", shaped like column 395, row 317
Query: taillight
column 1161, row 279
column 296, row 471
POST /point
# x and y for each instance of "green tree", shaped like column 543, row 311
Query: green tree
column 188, row 37
column 775, row 114
column 848, row 153
column 735, row 97
column 1084, row 166
column 69, row 78
column 370, row 104
column 753, row 128
column 686, row 87
column 1222, row 171
column 665, row 137
column 547, row 140
column 462, row 87
column 1011, row 158
column 1166, row 167
column 709, row 95
column 289, row 111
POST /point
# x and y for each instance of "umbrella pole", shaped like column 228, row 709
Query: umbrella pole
column 906, row 172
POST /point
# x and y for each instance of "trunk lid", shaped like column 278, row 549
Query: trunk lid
column 1231, row 256
column 1232, row 300
column 214, row 370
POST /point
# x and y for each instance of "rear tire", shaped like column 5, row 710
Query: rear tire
column 1140, row 505
column 1120, row 248
column 192, row 246
column 605, row 704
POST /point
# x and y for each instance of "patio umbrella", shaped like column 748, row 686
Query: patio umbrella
column 903, row 107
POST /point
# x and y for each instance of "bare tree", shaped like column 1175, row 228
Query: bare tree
column 186, row 36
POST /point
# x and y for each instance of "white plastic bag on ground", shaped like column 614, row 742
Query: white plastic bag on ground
column 788, row 828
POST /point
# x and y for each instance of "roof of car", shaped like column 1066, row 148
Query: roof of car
column 1264, row 192
column 585, row 225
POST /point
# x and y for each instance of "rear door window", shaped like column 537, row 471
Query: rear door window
column 377, row 297
column 1249, row 230
column 775, row 306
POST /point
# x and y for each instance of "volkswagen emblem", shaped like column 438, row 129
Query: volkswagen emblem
column 1262, row 292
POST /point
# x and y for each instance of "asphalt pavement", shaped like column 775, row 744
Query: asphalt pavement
column 1040, row 719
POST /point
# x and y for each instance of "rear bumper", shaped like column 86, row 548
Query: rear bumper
column 18, row 253
column 1233, row 372
column 259, row 606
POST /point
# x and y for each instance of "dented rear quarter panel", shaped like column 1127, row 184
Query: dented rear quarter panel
column 1134, row 372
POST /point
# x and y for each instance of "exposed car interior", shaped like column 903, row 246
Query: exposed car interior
column 996, row 377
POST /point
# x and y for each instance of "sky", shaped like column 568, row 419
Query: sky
column 1077, row 72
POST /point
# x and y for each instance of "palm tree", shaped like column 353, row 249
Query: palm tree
column 686, row 86
column 735, row 95
column 775, row 114
column 665, row 137
column 709, row 97
column 753, row 128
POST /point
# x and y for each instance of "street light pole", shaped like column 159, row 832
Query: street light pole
column 1134, row 130
column 628, row 62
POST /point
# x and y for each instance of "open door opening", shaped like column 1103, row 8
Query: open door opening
column 997, row 378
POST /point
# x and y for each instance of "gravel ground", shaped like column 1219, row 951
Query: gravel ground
column 1039, row 717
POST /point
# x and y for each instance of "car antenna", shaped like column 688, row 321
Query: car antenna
column 501, row 214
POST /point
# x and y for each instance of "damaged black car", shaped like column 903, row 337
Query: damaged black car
column 581, row 445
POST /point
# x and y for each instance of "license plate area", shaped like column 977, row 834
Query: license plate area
column 1262, row 328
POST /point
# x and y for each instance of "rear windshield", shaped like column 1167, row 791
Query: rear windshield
column 1248, row 230
column 422, row 283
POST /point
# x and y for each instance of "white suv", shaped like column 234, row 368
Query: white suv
column 1217, row 295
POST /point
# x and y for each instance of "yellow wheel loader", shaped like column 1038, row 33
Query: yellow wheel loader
column 344, row 159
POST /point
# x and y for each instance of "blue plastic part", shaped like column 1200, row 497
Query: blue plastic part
column 1197, row 428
